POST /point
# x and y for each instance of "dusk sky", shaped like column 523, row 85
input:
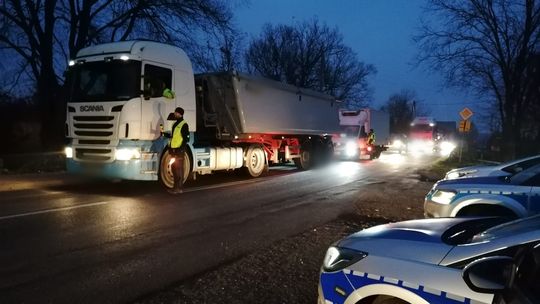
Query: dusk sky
column 380, row 32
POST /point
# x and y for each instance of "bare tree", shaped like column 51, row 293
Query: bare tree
column 44, row 34
column 402, row 107
column 488, row 45
column 310, row 55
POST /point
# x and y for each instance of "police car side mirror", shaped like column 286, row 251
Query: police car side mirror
column 490, row 275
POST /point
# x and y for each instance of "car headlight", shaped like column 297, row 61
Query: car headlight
column 397, row 143
column 127, row 154
column 69, row 152
column 351, row 148
column 338, row 258
column 442, row 196
column 452, row 175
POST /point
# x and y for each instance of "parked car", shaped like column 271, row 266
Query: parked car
column 514, row 280
column 504, row 169
column 514, row 196
column 423, row 261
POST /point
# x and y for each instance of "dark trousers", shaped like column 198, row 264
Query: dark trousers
column 178, row 168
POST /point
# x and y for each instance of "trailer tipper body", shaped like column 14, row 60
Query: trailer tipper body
column 117, row 110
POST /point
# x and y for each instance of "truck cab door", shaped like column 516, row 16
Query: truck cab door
column 155, row 106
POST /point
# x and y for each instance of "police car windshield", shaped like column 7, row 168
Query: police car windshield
column 114, row 80
column 509, row 229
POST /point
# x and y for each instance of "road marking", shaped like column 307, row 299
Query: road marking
column 51, row 210
column 243, row 182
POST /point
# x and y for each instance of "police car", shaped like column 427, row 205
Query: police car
column 504, row 169
column 423, row 261
column 514, row 196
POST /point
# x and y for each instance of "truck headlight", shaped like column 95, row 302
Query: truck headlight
column 442, row 196
column 351, row 148
column 69, row 152
column 397, row 143
column 127, row 154
column 338, row 258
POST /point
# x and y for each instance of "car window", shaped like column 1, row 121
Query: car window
column 508, row 229
column 528, row 275
column 156, row 80
column 516, row 168
column 523, row 177
column 533, row 181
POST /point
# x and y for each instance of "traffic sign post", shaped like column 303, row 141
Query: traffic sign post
column 464, row 127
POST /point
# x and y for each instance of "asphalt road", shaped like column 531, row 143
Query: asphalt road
column 63, row 241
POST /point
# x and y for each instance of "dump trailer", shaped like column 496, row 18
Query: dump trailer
column 355, row 125
column 116, row 113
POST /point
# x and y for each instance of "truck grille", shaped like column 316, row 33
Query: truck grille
column 94, row 134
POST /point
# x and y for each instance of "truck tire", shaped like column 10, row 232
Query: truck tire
column 255, row 163
column 165, row 175
column 305, row 161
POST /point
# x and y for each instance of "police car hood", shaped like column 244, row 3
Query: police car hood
column 486, row 180
column 474, row 171
column 417, row 240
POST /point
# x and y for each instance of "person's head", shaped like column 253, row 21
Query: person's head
column 178, row 112
column 370, row 130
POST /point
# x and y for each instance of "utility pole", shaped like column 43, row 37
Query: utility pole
column 414, row 108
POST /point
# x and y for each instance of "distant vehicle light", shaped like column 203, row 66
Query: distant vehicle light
column 127, row 154
column 397, row 143
column 447, row 148
column 431, row 124
column 369, row 148
column 124, row 57
column 71, row 63
column 351, row 148
column 69, row 152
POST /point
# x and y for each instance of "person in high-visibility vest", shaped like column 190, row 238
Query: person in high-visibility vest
column 371, row 137
column 177, row 148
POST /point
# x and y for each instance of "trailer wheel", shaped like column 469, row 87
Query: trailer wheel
column 255, row 163
column 305, row 161
column 165, row 169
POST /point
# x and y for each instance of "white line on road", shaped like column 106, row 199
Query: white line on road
column 51, row 210
column 229, row 184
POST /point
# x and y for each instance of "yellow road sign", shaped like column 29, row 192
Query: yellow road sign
column 464, row 126
column 466, row 113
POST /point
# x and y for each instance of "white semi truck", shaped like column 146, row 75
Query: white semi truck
column 116, row 109
column 355, row 125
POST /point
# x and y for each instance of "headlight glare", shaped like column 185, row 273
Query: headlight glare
column 338, row 258
column 351, row 148
column 69, row 152
column 443, row 197
column 127, row 154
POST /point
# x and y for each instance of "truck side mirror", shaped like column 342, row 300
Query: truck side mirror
column 490, row 275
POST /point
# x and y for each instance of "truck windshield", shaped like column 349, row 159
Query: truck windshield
column 350, row 131
column 105, row 81
column 421, row 128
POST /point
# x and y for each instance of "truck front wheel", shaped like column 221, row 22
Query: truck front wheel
column 165, row 169
column 255, row 163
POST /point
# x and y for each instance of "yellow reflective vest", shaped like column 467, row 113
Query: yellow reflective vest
column 177, row 138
